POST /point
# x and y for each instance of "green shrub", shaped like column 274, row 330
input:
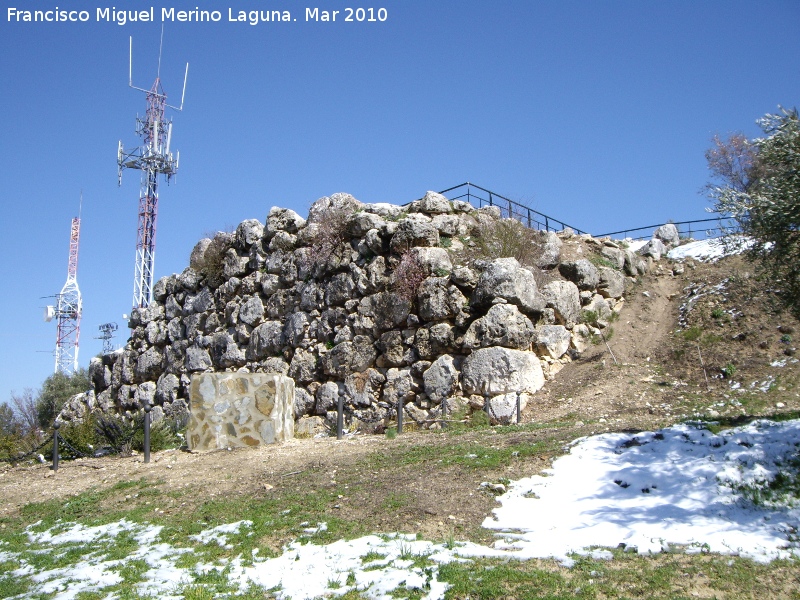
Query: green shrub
column 692, row 334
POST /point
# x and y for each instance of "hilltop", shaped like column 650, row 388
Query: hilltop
column 649, row 375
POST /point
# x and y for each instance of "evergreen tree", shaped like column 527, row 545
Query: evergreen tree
column 759, row 187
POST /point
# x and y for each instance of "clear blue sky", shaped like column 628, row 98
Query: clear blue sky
column 597, row 113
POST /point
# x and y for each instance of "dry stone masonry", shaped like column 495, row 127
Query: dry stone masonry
column 376, row 302
column 232, row 410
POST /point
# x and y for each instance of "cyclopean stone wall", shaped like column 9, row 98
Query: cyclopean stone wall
column 419, row 304
column 232, row 410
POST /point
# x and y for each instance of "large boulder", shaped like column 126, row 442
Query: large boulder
column 564, row 298
column 348, row 357
column 247, row 233
column 552, row 340
column 503, row 325
column 498, row 370
column 550, row 254
column 439, row 300
column 434, row 203
column 414, row 230
column 441, row 379
column 668, row 234
column 505, row 278
column 581, row 272
column 282, row 219
column 612, row 283
column 655, row 248
column 266, row 340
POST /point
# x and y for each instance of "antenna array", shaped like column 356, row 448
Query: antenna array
column 67, row 310
column 152, row 158
column 107, row 334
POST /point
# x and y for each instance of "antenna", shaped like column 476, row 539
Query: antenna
column 107, row 330
column 152, row 158
column 68, row 309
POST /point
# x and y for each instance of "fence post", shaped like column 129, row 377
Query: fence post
column 147, row 409
column 486, row 406
column 400, row 415
column 518, row 407
column 340, row 417
column 56, row 425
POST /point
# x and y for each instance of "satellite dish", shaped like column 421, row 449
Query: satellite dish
column 125, row 317
column 49, row 313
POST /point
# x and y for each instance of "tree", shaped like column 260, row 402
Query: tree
column 56, row 390
column 758, row 186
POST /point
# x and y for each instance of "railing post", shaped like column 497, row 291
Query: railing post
column 518, row 407
column 147, row 409
column 340, row 417
column 56, row 425
column 400, row 415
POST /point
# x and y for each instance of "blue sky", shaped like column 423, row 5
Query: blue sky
column 597, row 113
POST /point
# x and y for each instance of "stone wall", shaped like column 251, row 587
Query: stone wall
column 232, row 410
column 379, row 303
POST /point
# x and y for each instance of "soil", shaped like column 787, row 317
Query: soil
column 644, row 376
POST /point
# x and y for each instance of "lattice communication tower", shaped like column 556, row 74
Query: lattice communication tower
column 152, row 158
column 67, row 310
column 107, row 334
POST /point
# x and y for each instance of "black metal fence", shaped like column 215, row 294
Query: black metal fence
column 479, row 196
column 699, row 229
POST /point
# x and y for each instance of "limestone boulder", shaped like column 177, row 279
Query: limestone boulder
column 564, row 298
column 552, row 340
column 197, row 359
column 503, row 407
column 581, row 272
column 505, row 278
column 438, row 299
column 414, row 230
column 282, row 219
column 668, row 234
column 441, row 379
column 248, row 233
column 434, row 203
column 327, row 397
column 251, row 311
column 197, row 257
column 434, row 261
column 363, row 388
column 496, row 370
column 347, row 357
column 266, row 340
column 612, row 283
column 655, row 248
column 550, row 254
column 503, row 325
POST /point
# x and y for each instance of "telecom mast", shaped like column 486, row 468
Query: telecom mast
column 107, row 334
column 152, row 158
column 67, row 310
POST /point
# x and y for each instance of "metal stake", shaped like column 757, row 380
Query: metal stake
column 340, row 417
column 147, row 409
column 518, row 408
column 56, row 425
column 399, row 415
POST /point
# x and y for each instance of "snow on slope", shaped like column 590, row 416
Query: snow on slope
column 680, row 488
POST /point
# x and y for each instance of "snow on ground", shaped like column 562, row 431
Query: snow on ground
column 680, row 488
column 710, row 249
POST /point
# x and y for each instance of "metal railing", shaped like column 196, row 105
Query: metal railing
column 533, row 219
column 686, row 229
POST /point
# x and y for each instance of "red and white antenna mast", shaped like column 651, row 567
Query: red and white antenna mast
column 68, row 308
column 152, row 158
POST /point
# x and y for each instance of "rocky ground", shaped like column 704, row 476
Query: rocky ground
column 646, row 374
